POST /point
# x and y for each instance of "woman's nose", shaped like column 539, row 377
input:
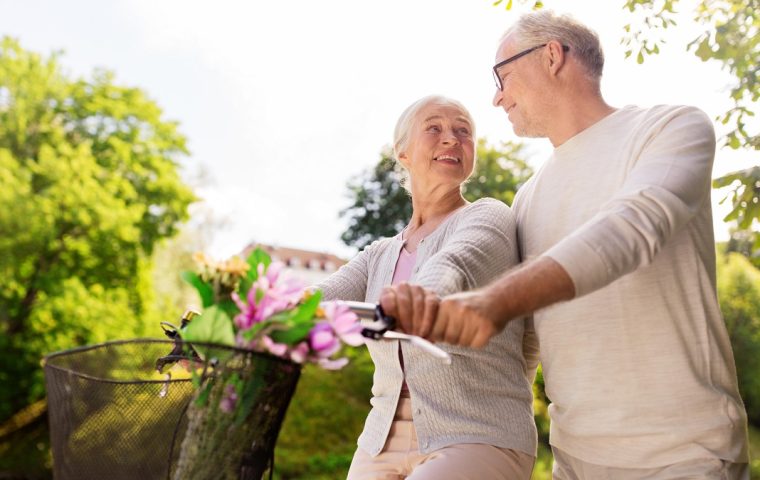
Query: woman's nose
column 450, row 138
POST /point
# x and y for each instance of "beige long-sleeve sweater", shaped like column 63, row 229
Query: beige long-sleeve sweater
column 638, row 367
column 484, row 396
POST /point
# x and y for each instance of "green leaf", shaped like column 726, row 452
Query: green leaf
column 229, row 307
column 257, row 257
column 252, row 389
column 204, row 289
column 640, row 57
column 305, row 311
column 202, row 398
column 292, row 335
column 252, row 332
column 243, row 287
column 212, row 326
column 704, row 52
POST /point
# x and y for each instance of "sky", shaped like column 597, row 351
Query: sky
column 284, row 102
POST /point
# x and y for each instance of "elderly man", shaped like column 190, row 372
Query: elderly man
column 615, row 232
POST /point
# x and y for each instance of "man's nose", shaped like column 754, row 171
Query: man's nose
column 498, row 97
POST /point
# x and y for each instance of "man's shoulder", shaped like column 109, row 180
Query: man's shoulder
column 664, row 113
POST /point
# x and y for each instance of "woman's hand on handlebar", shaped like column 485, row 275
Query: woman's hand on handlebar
column 413, row 307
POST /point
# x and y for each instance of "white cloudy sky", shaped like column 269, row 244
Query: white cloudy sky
column 282, row 102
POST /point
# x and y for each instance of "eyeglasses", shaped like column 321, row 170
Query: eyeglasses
column 496, row 67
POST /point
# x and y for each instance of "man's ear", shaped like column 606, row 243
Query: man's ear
column 556, row 56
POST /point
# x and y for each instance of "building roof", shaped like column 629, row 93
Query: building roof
column 297, row 258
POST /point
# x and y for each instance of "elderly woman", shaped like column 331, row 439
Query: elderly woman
column 472, row 419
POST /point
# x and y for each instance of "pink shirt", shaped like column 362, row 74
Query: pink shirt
column 402, row 273
column 404, row 266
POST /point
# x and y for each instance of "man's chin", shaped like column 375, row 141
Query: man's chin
column 524, row 132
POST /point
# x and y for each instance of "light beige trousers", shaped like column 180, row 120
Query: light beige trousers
column 402, row 459
column 566, row 467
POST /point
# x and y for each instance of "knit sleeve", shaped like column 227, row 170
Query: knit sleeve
column 481, row 247
column 666, row 187
column 350, row 281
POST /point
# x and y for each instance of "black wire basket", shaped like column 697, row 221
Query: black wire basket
column 114, row 415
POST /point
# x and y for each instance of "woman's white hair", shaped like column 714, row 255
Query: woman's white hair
column 407, row 120
column 541, row 27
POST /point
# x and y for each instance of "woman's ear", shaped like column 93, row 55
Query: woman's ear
column 403, row 158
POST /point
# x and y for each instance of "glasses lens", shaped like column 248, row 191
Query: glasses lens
column 496, row 79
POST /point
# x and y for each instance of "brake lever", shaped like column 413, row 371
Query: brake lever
column 382, row 327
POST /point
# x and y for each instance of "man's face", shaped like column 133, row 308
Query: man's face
column 523, row 95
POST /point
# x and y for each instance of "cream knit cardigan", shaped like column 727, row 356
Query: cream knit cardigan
column 485, row 395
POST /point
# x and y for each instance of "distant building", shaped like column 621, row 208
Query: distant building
column 306, row 265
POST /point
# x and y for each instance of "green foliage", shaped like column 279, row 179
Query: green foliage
column 499, row 172
column 741, row 242
column 90, row 185
column 326, row 416
column 745, row 198
column 739, row 295
column 731, row 37
column 381, row 207
column 537, row 4
column 754, row 451
column 213, row 326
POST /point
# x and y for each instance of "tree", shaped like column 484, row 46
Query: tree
column 739, row 294
column 381, row 207
column 731, row 36
column 89, row 186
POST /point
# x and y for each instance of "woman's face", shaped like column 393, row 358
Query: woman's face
column 441, row 147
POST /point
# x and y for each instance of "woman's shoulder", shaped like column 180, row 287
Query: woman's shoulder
column 379, row 245
column 488, row 207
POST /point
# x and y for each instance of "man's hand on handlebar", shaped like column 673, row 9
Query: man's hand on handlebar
column 459, row 319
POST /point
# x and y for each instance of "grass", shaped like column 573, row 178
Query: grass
column 754, row 451
column 317, row 440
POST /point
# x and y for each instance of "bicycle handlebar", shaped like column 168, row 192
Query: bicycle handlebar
column 381, row 328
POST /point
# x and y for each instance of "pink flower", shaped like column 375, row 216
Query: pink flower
column 329, row 364
column 344, row 322
column 278, row 349
column 282, row 292
column 275, row 293
column 300, row 353
column 229, row 399
column 323, row 340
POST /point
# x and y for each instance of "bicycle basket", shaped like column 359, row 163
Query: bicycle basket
column 113, row 415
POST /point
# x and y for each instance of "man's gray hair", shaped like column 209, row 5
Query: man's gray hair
column 541, row 27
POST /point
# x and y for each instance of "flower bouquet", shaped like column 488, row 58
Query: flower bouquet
column 244, row 352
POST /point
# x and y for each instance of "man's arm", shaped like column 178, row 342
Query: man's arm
column 662, row 193
column 472, row 318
